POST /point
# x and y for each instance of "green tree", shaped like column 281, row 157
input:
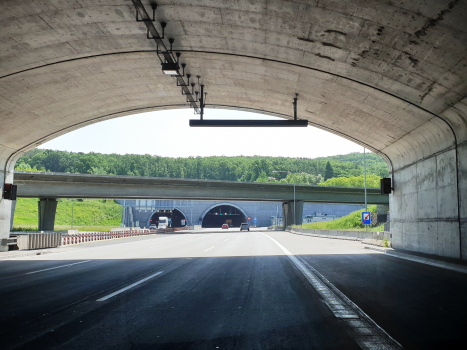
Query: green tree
column 329, row 172
column 372, row 181
column 240, row 168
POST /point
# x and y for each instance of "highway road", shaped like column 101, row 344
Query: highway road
column 225, row 289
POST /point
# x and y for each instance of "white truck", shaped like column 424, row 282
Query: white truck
column 163, row 222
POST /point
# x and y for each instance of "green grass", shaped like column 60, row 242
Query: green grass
column 351, row 222
column 89, row 215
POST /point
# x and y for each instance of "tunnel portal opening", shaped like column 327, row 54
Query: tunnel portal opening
column 223, row 214
column 175, row 216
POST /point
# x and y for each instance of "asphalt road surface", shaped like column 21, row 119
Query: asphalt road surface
column 225, row 289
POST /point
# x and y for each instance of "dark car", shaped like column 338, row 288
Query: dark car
column 244, row 226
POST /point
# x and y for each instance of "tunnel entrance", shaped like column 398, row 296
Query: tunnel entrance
column 223, row 214
column 175, row 216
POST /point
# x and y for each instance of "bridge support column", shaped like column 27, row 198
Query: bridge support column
column 47, row 209
column 289, row 214
column 13, row 208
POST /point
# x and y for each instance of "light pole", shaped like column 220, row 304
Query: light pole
column 72, row 212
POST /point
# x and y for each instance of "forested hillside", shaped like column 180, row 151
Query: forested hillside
column 261, row 169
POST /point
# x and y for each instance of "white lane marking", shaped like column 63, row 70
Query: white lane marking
column 58, row 267
column 155, row 246
column 208, row 249
column 337, row 307
column 226, row 240
column 343, row 310
column 128, row 287
column 421, row 260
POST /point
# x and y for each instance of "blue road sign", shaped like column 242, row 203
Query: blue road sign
column 366, row 218
column 255, row 220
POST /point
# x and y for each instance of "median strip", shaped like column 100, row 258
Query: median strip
column 57, row 267
column 128, row 287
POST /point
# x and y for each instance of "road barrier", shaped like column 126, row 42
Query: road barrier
column 40, row 240
column 380, row 238
column 73, row 238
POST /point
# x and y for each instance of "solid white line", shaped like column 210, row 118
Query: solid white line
column 336, row 306
column 208, row 249
column 58, row 267
column 130, row 286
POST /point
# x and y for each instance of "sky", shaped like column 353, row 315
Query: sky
column 167, row 134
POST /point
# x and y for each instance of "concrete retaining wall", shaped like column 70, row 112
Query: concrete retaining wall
column 347, row 235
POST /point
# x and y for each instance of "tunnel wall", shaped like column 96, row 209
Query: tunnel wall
column 429, row 184
column 424, row 208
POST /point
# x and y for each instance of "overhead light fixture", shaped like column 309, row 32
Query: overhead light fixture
column 250, row 123
column 247, row 123
column 170, row 68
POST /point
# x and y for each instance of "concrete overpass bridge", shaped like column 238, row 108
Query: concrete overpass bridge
column 50, row 186
column 390, row 76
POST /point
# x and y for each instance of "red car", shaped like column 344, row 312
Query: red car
column 225, row 226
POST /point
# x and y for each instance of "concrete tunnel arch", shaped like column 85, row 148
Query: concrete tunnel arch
column 218, row 224
column 175, row 223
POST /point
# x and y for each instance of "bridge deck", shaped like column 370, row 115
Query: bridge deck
column 61, row 185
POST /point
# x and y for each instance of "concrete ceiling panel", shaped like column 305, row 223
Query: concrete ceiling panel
column 391, row 67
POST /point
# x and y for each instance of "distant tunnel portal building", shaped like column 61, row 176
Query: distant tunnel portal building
column 143, row 213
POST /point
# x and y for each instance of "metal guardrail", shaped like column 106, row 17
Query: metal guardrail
column 69, row 239
column 40, row 240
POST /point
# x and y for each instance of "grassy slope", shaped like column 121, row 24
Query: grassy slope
column 89, row 214
column 349, row 222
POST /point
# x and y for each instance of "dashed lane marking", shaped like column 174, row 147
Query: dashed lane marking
column 57, row 267
column 208, row 249
column 128, row 287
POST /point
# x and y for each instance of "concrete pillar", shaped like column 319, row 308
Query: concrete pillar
column 6, row 176
column 288, row 212
column 13, row 207
column 382, row 211
column 47, row 209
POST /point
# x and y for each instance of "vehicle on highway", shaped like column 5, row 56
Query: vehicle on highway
column 163, row 222
column 225, row 226
column 244, row 226
column 152, row 227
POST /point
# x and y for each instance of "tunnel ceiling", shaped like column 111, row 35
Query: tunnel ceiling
column 381, row 73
